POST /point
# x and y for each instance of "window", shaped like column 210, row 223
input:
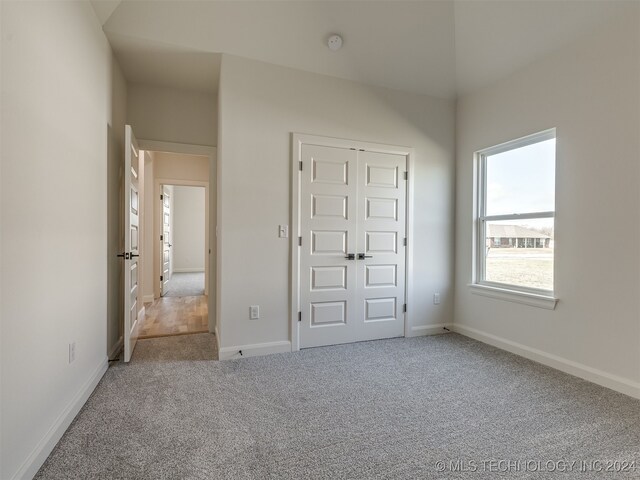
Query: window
column 516, row 200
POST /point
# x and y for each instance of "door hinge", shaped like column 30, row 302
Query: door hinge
column 300, row 165
column 161, row 238
column 161, row 197
column 299, row 241
column 161, row 278
column 354, row 149
column 404, row 308
column 406, row 175
column 404, row 241
column 299, row 316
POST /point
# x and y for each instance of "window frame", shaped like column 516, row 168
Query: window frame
column 481, row 220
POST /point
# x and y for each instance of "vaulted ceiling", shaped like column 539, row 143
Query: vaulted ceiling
column 440, row 48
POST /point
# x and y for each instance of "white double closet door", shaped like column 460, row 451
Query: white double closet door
column 352, row 252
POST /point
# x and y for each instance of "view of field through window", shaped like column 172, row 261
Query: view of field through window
column 525, row 258
column 521, row 181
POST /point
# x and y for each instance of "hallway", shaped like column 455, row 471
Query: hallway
column 185, row 284
column 175, row 316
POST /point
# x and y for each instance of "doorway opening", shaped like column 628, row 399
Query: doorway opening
column 177, row 254
column 183, row 241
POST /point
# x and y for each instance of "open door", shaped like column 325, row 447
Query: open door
column 131, row 247
column 167, row 271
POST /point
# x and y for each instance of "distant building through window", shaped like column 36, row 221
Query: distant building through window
column 507, row 236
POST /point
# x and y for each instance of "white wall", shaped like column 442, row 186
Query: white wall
column 56, row 116
column 178, row 166
column 168, row 190
column 171, row 115
column 260, row 105
column 188, row 229
column 590, row 92
column 142, row 238
column 148, row 275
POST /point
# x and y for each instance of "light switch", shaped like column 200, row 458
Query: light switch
column 254, row 312
column 283, row 231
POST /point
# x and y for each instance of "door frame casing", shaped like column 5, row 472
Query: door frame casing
column 299, row 139
column 157, row 228
column 213, row 293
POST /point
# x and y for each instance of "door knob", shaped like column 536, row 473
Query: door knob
column 350, row 256
column 362, row 256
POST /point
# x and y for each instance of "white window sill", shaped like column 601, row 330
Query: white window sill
column 525, row 298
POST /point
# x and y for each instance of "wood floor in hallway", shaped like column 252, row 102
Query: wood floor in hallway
column 175, row 316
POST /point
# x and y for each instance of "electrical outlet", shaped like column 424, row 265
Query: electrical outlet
column 254, row 312
column 72, row 352
column 436, row 299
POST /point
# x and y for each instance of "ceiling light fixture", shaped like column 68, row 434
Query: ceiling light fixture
column 334, row 43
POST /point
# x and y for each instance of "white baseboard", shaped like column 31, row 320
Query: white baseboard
column 614, row 382
column 46, row 445
column 148, row 298
column 257, row 349
column 188, row 270
column 115, row 349
column 437, row 329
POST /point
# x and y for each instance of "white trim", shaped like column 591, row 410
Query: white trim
column 215, row 332
column 517, row 296
column 254, row 350
column 173, row 147
column 527, row 140
column 47, row 443
column 294, row 231
column 408, row 259
column 614, row 382
column 181, row 183
column 437, row 329
column 297, row 140
column 518, row 216
column 188, row 270
column 149, row 298
column 115, row 349
column 157, row 227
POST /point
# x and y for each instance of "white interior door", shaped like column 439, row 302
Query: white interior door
column 381, row 244
column 328, row 227
column 166, row 239
column 131, row 247
column 352, row 255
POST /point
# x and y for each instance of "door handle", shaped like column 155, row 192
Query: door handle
column 123, row 255
column 131, row 255
column 350, row 256
column 362, row 256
